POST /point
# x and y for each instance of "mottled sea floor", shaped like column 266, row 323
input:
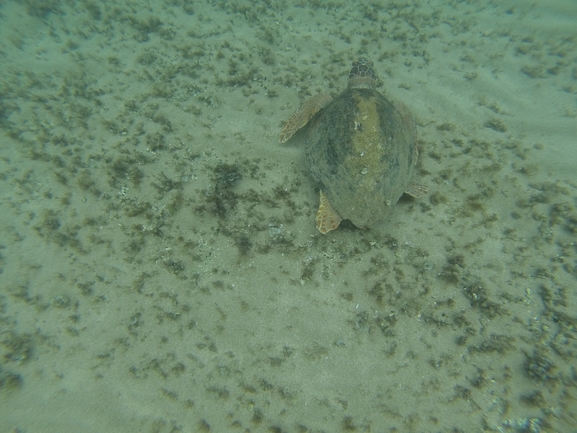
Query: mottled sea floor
column 160, row 269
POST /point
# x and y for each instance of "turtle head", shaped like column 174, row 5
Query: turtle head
column 362, row 75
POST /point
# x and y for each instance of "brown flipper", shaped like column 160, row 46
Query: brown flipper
column 301, row 117
column 327, row 217
column 416, row 190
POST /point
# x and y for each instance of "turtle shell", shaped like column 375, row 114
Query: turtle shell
column 362, row 151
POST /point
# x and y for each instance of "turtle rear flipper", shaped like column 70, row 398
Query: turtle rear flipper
column 327, row 217
column 416, row 190
column 305, row 113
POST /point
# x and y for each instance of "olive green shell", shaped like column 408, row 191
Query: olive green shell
column 361, row 149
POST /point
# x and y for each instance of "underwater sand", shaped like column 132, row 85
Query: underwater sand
column 160, row 269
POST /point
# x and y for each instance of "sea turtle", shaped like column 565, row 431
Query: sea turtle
column 360, row 148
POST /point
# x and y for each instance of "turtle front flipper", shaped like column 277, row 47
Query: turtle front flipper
column 305, row 113
column 327, row 217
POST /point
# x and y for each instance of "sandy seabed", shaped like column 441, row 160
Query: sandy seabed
column 160, row 270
